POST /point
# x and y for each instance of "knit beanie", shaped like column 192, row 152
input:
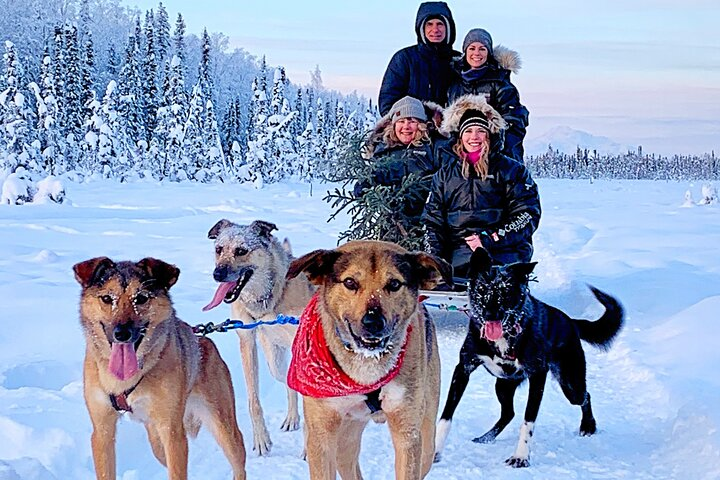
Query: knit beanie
column 473, row 118
column 408, row 107
column 478, row 35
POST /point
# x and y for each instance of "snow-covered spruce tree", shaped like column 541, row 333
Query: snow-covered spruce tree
column 231, row 127
column 106, row 136
column 151, row 92
column 72, row 108
column 87, row 65
column 50, row 136
column 205, row 67
column 258, row 157
column 339, row 133
column 370, row 117
column 171, row 122
column 300, row 120
column 162, row 36
column 213, row 153
column 179, row 44
column 319, row 142
column 306, row 152
column 192, row 162
column 13, row 121
column 132, row 104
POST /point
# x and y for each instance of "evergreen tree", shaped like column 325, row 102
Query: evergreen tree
column 47, row 108
column 88, row 75
column 193, row 161
column 171, row 121
column 151, row 94
column 113, row 63
column 205, row 68
column 162, row 35
column 232, row 126
column 14, row 121
column 72, row 109
column 132, row 104
column 179, row 41
column 212, row 146
column 257, row 159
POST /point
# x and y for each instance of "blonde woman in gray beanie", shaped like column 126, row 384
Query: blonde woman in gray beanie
column 400, row 145
column 484, row 70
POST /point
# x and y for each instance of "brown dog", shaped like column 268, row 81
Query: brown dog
column 140, row 358
column 366, row 348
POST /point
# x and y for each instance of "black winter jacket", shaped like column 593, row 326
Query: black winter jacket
column 423, row 70
column 493, row 81
column 394, row 164
column 503, row 210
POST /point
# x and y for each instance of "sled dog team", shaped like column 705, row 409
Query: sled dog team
column 365, row 349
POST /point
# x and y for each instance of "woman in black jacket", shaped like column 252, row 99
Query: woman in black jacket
column 401, row 145
column 482, row 70
column 479, row 198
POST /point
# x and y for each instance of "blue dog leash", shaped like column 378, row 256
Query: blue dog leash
column 229, row 324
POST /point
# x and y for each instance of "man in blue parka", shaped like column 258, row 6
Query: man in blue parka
column 422, row 71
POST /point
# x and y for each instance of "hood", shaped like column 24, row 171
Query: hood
column 433, row 111
column 453, row 113
column 507, row 58
column 427, row 9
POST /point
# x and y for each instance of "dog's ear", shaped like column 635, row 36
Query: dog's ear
column 218, row 227
column 90, row 271
column 263, row 228
column 521, row 270
column 428, row 270
column 165, row 274
column 316, row 264
column 480, row 262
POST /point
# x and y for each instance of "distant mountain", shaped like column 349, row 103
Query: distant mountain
column 567, row 140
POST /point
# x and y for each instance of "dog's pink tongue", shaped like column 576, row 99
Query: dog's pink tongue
column 123, row 361
column 493, row 330
column 220, row 293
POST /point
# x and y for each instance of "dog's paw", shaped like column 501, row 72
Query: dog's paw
column 588, row 428
column 487, row 438
column 518, row 462
column 291, row 423
column 261, row 443
column 437, row 457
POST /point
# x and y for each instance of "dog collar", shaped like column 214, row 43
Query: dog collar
column 314, row 372
column 120, row 402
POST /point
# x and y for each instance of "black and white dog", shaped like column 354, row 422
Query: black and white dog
column 516, row 336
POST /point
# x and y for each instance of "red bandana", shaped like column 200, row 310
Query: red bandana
column 313, row 370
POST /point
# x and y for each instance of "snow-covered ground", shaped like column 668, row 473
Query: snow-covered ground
column 656, row 393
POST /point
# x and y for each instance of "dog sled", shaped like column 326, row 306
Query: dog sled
column 449, row 300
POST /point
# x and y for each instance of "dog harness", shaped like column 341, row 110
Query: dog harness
column 120, row 402
column 314, row 372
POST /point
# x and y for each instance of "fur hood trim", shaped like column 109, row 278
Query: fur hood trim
column 507, row 58
column 453, row 114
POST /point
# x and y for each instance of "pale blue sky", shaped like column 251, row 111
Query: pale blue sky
column 638, row 71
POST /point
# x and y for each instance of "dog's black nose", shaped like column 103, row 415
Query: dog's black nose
column 220, row 273
column 123, row 332
column 374, row 321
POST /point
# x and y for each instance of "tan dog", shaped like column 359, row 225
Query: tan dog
column 367, row 315
column 140, row 358
column 250, row 265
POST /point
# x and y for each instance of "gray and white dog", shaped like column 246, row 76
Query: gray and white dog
column 250, row 265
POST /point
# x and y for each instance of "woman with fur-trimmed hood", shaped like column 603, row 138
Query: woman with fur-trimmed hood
column 400, row 145
column 484, row 70
column 479, row 198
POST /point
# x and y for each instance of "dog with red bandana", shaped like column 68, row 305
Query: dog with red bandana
column 366, row 349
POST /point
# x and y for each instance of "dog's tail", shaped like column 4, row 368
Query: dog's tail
column 602, row 332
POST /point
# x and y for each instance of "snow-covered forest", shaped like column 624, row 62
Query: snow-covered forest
column 92, row 88
column 630, row 166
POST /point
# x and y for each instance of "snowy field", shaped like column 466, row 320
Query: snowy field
column 656, row 393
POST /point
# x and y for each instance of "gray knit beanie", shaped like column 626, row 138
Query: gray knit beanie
column 478, row 35
column 408, row 107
